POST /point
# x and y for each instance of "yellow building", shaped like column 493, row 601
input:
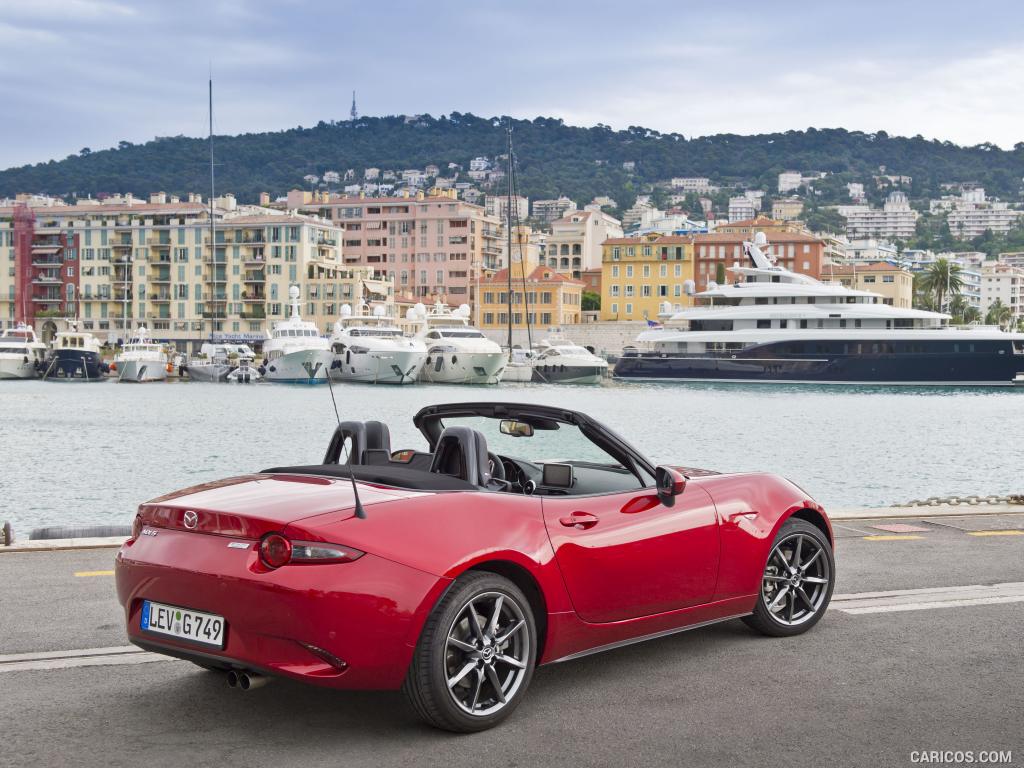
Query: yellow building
column 639, row 274
column 895, row 284
column 553, row 299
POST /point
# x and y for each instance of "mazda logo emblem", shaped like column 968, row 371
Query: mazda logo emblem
column 191, row 519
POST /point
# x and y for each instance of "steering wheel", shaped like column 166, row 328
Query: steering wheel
column 496, row 468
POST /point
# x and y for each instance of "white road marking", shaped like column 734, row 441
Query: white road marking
column 82, row 657
column 929, row 598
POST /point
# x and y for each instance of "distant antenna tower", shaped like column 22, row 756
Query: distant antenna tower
column 354, row 114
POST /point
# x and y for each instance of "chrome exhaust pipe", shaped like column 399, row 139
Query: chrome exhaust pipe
column 247, row 681
column 233, row 679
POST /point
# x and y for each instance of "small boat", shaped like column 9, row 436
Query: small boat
column 457, row 353
column 21, row 354
column 559, row 361
column 216, row 361
column 245, row 373
column 75, row 356
column 519, row 367
column 295, row 352
column 370, row 348
column 141, row 360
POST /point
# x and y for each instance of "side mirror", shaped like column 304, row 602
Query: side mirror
column 670, row 484
column 515, row 428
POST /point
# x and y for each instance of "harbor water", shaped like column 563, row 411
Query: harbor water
column 77, row 454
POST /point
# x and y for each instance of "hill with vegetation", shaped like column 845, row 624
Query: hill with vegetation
column 554, row 159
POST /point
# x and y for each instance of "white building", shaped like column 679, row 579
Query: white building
column 371, row 173
column 972, row 215
column 856, row 191
column 1003, row 283
column 479, row 164
column 574, row 244
column 789, row 181
column 896, row 219
column 695, row 184
column 741, row 208
column 497, row 205
column 871, row 250
column 549, row 210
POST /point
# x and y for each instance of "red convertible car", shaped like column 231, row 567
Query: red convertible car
column 523, row 535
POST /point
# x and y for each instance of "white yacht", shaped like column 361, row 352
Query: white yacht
column 560, row 361
column 457, row 353
column 141, row 360
column 217, row 360
column 773, row 325
column 75, row 356
column 519, row 365
column 370, row 348
column 21, row 353
column 295, row 352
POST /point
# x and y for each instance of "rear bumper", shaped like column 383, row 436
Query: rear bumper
column 367, row 614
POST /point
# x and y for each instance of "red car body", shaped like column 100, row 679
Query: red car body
column 599, row 570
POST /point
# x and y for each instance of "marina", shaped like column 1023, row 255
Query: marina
column 67, row 448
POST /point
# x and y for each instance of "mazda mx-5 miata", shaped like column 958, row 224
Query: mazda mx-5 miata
column 523, row 535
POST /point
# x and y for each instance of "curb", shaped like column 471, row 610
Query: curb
column 55, row 545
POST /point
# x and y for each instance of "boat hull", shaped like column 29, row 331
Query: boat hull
column 140, row 371
column 378, row 366
column 978, row 369
column 455, row 367
column 518, row 374
column 569, row 374
column 212, row 372
column 308, row 366
column 75, row 365
column 17, row 367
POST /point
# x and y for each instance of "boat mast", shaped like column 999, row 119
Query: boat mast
column 508, row 235
column 514, row 186
column 213, row 231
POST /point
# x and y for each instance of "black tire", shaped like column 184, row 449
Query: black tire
column 426, row 684
column 804, row 599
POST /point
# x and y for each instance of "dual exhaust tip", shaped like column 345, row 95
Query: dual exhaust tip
column 246, row 681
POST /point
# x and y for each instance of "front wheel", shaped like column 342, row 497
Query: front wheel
column 797, row 582
column 475, row 657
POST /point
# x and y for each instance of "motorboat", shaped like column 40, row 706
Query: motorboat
column 774, row 325
column 245, row 373
column 368, row 347
column 295, row 352
column 75, row 356
column 560, row 361
column 519, row 365
column 22, row 355
column 216, row 361
column 141, row 360
column 457, row 353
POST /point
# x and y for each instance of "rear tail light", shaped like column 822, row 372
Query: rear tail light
column 136, row 527
column 276, row 550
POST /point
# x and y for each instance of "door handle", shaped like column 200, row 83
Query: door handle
column 580, row 520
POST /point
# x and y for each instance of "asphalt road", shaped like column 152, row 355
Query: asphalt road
column 858, row 690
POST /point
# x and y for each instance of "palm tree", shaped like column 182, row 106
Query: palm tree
column 971, row 314
column 999, row 314
column 942, row 278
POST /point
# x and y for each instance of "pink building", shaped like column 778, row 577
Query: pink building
column 434, row 247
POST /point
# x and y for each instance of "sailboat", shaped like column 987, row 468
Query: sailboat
column 519, row 367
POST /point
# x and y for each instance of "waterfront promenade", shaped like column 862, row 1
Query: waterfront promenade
column 920, row 650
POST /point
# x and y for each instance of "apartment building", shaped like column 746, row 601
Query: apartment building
column 1005, row 283
column 968, row 220
column 796, row 251
column 549, row 210
column 545, row 297
column 788, row 208
column 574, row 244
column 434, row 248
column 497, row 206
column 789, row 181
column 695, row 184
column 639, row 274
column 893, row 282
column 120, row 263
column 741, row 207
column 896, row 219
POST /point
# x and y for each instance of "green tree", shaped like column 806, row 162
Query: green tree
column 999, row 314
column 720, row 276
column 590, row 301
column 942, row 279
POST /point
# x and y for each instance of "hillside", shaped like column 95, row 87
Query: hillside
column 554, row 159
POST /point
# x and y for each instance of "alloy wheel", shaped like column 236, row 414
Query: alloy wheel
column 486, row 653
column 796, row 580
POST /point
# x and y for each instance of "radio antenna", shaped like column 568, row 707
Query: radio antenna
column 360, row 512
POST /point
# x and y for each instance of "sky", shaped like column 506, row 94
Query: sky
column 90, row 73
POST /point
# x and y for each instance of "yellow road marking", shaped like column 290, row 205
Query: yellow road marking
column 892, row 538
column 80, row 574
column 995, row 533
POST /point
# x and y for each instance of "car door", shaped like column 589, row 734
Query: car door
column 624, row 555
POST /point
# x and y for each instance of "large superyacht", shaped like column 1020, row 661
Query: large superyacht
column 774, row 325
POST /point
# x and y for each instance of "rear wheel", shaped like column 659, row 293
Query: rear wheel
column 475, row 657
column 797, row 582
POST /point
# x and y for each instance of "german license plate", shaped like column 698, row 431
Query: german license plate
column 182, row 623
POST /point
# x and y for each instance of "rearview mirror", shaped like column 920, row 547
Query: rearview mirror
column 670, row 484
column 516, row 428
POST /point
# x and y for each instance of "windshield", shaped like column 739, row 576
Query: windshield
column 467, row 334
column 565, row 444
column 385, row 332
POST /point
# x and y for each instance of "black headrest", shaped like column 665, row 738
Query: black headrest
column 378, row 436
column 462, row 452
column 347, row 430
